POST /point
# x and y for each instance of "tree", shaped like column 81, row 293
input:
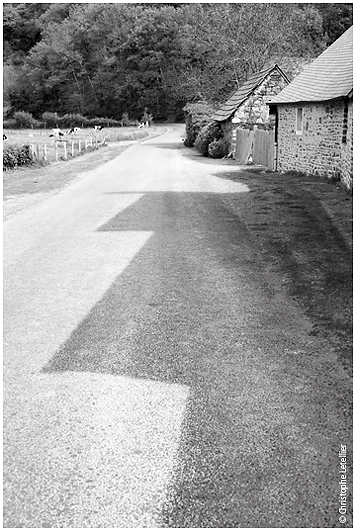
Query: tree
column 107, row 59
column 337, row 18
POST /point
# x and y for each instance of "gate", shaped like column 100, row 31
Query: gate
column 258, row 144
column 263, row 151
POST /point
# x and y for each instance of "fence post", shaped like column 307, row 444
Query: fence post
column 38, row 151
column 45, row 151
column 65, row 150
column 79, row 145
column 56, row 150
column 275, row 156
column 33, row 151
column 91, row 141
column 86, row 143
column 72, row 148
column 233, row 142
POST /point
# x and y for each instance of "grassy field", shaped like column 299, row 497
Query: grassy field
column 70, row 146
column 25, row 186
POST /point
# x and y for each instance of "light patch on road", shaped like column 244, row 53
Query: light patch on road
column 57, row 289
column 61, row 216
column 100, row 453
column 86, row 450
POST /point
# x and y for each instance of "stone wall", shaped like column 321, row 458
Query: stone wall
column 318, row 150
column 346, row 166
column 255, row 109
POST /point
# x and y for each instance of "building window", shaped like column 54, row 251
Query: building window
column 299, row 121
column 344, row 123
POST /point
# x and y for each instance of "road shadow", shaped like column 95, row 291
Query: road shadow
column 196, row 307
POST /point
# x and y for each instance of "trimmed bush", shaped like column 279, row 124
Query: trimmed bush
column 211, row 131
column 14, row 156
column 218, row 148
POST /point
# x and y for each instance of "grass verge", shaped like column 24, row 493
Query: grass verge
column 303, row 227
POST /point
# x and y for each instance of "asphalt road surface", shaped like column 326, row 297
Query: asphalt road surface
column 156, row 373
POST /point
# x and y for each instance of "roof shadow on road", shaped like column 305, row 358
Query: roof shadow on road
column 171, row 316
column 155, row 306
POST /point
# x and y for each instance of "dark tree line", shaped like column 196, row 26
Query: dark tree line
column 109, row 59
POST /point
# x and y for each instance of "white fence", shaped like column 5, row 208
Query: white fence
column 63, row 149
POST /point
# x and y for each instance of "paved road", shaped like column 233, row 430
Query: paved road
column 156, row 372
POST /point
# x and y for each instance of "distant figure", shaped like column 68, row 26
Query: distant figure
column 4, row 137
column 73, row 130
column 98, row 127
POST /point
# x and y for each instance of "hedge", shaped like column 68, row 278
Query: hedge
column 218, row 148
column 14, row 156
column 49, row 120
column 208, row 133
column 197, row 115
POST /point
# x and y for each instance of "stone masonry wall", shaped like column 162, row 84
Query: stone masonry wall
column 319, row 149
column 255, row 109
column 346, row 167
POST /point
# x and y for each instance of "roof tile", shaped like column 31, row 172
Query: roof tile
column 229, row 107
column 330, row 76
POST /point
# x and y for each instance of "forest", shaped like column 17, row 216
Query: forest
column 110, row 59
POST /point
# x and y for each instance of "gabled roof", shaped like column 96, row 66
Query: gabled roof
column 230, row 106
column 328, row 77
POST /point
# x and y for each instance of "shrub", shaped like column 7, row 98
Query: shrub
column 197, row 115
column 14, row 156
column 50, row 119
column 147, row 117
column 72, row 120
column 9, row 124
column 218, row 148
column 125, row 120
column 25, row 119
column 211, row 131
column 9, row 158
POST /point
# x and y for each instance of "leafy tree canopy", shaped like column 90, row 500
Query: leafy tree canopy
column 107, row 59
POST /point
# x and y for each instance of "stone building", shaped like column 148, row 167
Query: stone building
column 248, row 106
column 315, row 116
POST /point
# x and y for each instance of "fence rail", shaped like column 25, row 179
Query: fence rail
column 63, row 149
